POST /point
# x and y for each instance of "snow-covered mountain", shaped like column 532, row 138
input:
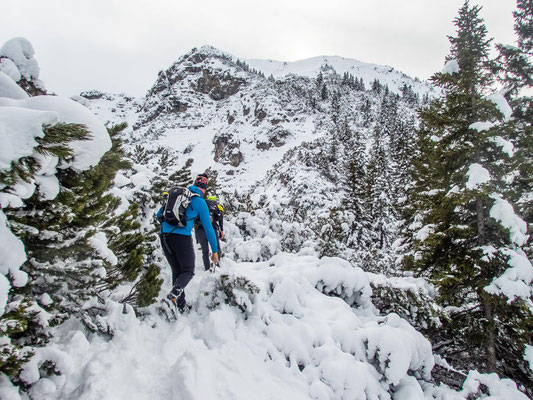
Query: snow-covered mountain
column 226, row 114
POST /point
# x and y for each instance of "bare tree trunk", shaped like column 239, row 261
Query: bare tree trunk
column 491, row 339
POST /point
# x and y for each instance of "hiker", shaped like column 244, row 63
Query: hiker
column 215, row 210
column 178, row 245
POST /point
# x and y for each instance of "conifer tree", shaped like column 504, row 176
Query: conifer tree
column 21, row 327
column 459, row 244
column 378, row 207
column 324, row 92
column 319, row 81
column 335, row 107
column 515, row 72
column 353, row 202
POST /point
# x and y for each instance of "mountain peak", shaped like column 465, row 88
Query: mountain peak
column 211, row 50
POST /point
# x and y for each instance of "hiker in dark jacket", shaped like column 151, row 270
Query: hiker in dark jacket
column 217, row 220
column 178, row 245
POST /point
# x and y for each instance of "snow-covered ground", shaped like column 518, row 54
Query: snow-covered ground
column 310, row 332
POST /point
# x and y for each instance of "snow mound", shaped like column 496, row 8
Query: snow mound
column 19, row 127
column 477, row 176
column 9, row 89
column 13, row 256
column 451, row 67
column 20, row 51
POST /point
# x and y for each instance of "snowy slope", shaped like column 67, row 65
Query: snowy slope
column 311, row 67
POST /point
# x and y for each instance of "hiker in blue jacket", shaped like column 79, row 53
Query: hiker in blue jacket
column 178, row 245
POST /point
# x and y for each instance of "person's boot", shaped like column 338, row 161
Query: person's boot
column 177, row 297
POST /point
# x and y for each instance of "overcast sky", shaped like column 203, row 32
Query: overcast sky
column 120, row 45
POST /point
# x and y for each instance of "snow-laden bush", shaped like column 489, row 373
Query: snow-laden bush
column 259, row 236
column 250, row 239
column 347, row 354
column 310, row 331
column 411, row 298
column 231, row 289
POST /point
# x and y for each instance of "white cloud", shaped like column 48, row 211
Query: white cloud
column 120, row 45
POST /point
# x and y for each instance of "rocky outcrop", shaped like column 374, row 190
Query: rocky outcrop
column 197, row 78
column 218, row 87
column 274, row 138
column 227, row 151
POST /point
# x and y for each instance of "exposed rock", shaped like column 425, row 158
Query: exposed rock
column 218, row 87
column 220, row 143
column 227, row 151
column 175, row 106
column 275, row 137
column 236, row 158
column 92, row 94
column 259, row 113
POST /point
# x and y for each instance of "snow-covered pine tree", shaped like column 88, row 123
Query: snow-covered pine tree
column 182, row 177
column 461, row 242
column 21, row 325
column 378, row 205
column 138, row 245
column 132, row 246
column 65, row 238
column 515, row 72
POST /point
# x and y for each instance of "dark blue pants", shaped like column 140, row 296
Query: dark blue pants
column 201, row 237
column 179, row 251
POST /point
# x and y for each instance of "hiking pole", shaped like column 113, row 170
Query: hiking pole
column 213, row 266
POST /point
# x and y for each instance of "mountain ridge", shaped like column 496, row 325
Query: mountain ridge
column 211, row 100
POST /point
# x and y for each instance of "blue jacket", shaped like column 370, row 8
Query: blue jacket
column 197, row 208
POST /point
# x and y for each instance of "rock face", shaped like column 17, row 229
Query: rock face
column 218, row 87
column 227, row 151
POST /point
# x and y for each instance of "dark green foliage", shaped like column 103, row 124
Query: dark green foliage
column 62, row 262
column 324, row 92
column 126, row 242
column 524, row 25
column 335, row 107
column 20, row 324
column 377, row 87
column 412, row 305
column 212, row 186
column 451, row 221
column 146, row 289
column 29, row 86
column 515, row 71
column 13, row 324
column 330, row 232
column 182, row 177
column 237, row 202
column 141, row 156
column 353, row 83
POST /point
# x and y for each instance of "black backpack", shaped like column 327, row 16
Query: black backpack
column 178, row 200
